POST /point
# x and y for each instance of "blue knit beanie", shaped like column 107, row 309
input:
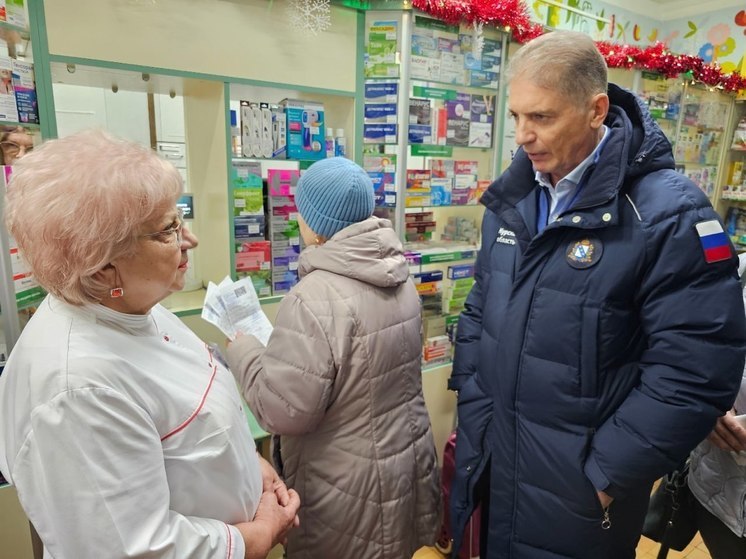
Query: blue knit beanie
column 332, row 194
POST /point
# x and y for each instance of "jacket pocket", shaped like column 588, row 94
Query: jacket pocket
column 589, row 352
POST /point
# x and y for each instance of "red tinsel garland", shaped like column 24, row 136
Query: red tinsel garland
column 505, row 13
column 513, row 15
column 657, row 58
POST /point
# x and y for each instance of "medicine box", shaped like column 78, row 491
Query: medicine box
column 460, row 271
column 305, row 129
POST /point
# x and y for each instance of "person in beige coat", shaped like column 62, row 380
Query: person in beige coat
column 340, row 381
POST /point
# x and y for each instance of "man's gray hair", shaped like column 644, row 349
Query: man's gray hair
column 565, row 61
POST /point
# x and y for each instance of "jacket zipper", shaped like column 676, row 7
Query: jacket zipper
column 606, row 522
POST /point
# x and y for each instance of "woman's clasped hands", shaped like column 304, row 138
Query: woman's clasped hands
column 276, row 515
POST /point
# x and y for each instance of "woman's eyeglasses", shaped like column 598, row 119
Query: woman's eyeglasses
column 16, row 149
column 174, row 232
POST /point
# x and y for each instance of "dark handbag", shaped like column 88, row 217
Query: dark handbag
column 671, row 517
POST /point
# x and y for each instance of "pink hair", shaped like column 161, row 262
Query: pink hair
column 77, row 203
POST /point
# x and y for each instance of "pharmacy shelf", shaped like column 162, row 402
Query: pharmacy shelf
column 434, row 366
column 10, row 27
column 438, row 255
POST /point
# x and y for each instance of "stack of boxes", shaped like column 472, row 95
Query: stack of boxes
column 290, row 129
column 380, row 126
column 448, row 182
column 459, row 284
column 461, row 229
column 418, row 188
column 428, row 284
column 735, row 225
column 464, row 121
column 419, row 226
column 421, row 126
column 464, row 183
column 439, row 328
column 442, row 302
column 252, row 251
column 704, row 177
column 437, row 350
column 284, row 231
column 458, row 120
column 381, row 169
column 436, row 346
column 735, row 187
column 440, row 53
column 381, row 51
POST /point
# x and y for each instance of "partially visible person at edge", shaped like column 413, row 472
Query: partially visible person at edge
column 605, row 332
column 122, row 433
column 341, row 382
column 717, row 478
column 15, row 142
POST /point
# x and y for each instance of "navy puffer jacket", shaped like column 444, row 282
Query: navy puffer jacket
column 592, row 356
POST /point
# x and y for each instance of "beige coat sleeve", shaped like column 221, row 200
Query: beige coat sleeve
column 287, row 385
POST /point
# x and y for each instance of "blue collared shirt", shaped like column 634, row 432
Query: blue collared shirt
column 561, row 194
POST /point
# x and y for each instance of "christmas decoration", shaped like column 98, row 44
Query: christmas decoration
column 512, row 15
column 309, row 16
column 657, row 58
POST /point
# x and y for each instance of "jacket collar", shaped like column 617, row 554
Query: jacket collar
column 369, row 251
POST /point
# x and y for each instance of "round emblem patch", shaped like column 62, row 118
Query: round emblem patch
column 584, row 253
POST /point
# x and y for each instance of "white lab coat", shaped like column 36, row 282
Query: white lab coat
column 125, row 437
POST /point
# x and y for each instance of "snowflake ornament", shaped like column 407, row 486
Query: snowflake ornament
column 310, row 16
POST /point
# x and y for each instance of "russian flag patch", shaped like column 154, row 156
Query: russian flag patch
column 715, row 243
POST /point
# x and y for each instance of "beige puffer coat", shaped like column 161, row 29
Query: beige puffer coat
column 340, row 380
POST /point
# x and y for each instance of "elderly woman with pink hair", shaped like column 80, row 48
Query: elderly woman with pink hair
column 123, row 434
